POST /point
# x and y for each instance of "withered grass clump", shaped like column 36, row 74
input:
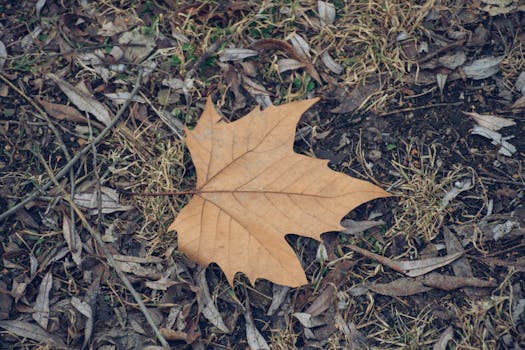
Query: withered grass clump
column 421, row 190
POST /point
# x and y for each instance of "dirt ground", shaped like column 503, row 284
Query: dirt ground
column 423, row 98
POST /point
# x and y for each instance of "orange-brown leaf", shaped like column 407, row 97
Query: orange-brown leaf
column 253, row 189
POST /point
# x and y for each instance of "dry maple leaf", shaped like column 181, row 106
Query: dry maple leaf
column 253, row 189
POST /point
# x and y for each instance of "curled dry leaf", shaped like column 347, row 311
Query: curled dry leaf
column 62, row 112
column 32, row 331
column 401, row 287
column 41, row 307
column 209, row 310
column 505, row 147
column 254, row 338
column 444, row 339
column 236, row 54
column 82, row 100
column 483, row 68
column 253, row 189
column 3, row 55
column 109, row 199
column 72, row 238
column 489, row 121
column 326, row 12
column 331, row 64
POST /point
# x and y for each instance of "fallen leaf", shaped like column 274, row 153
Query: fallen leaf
column 420, row 267
column 41, row 307
column 32, row 331
column 253, row 336
column 300, row 45
column 72, row 239
column 3, row 55
column 326, row 12
column 236, row 54
column 444, row 338
column 461, row 267
column 349, row 102
column 505, row 148
column 62, row 112
column 286, row 64
column 253, row 189
column 278, row 298
column 502, row 7
column 277, row 44
column 82, row 100
column 401, row 287
column 491, row 122
column 517, row 105
column 446, row 282
column 109, row 200
column 331, row 64
column 209, row 310
column 137, row 45
column 483, row 68
column 161, row 284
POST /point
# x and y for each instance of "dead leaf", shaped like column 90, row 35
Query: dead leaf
column 32, row 331
column 137, row 45
column 300, row 45
column 277, row 44
column 236, row 54
column 501, row 7
column 3, row 55
column 62, row 112
column 254, row 338
column 161, row 284
column 401, row 287
column 446, row 282
column 72, row 239
column 252, row 190
column 350, row 102
column 109, row 198
column 505, row 148
column 121, row 97
column 517, row 105
column 41, row 307
column 326, row 12
column 353, row 227
column 82, row 100
column 209, row 310
column 279, row 294
column 420, row 267
column 483, row 68
column 444, row 338
column 331, row 64
column 491, row 122
column 461, row 267
column 286, row 64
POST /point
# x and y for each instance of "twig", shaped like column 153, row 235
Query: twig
column 79, row 155
column 97, row 237
column 381, row 259
column 410, row 109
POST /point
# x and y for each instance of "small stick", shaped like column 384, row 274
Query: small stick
column 381, row 259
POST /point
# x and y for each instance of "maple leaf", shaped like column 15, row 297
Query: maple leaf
column 253, row 189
